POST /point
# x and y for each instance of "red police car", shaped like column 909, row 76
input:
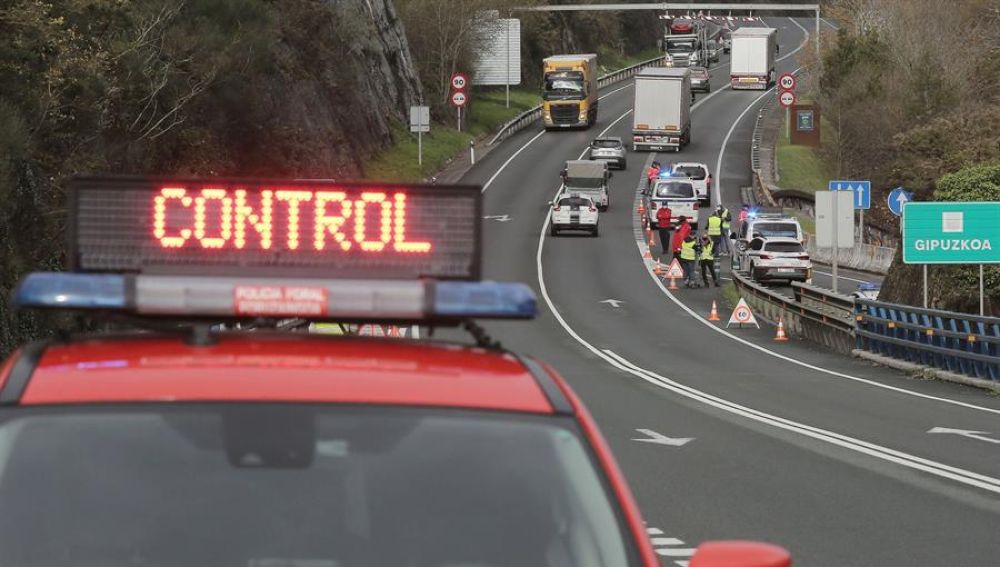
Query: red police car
column 182, row 444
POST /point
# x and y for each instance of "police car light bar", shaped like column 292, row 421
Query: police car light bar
column 314, row 299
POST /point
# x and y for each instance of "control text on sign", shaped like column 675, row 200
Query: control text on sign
column 220, row 218
column 306, row 228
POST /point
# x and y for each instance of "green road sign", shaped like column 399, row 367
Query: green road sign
column 951, row 233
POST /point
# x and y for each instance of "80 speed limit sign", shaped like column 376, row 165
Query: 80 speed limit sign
column 459, row 82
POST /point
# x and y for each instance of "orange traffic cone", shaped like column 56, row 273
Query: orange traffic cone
column 781, row 330
column 673, row 283
column 714, row 315
column 646, row 255
column 642, row 209
column 658, row 269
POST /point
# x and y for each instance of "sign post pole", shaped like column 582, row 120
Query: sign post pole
column 861, row 233
column 836, row 243
column 981, row 310
column 506, row 85
column 420, row 147
column 788, row 123
column 925, row 286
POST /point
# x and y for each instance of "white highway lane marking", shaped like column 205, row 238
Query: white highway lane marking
column 615, row 303
column 970, row 433
column 498, row 218
column 661, row 439
column 670, row 546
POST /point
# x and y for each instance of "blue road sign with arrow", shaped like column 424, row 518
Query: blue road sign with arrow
column 897, row 198
column 862, row 192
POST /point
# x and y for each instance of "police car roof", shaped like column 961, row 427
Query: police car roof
column 274, row 367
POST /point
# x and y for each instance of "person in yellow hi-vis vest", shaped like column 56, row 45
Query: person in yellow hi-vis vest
column 707, row 261
column 727, row 220
column 688, row 257
column 714, row 228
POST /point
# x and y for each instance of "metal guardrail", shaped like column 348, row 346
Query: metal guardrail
column 833, row 328
column 956, row 342
column 834, row 304
column 532, row 114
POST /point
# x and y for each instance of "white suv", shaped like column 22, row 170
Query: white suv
column 571, row 211
column 778, row 259
column 699, row 176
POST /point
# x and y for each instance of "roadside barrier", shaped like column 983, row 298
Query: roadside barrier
column 955, row 342
column 535, row 113
column 831, row 327
column 867, row 257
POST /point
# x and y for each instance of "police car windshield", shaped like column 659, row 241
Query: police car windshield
column 675, row 189
column 692, row 171
column 264, row 485
column 776, row 229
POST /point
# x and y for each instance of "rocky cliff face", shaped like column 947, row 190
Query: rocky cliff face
column 343, row 76
column 296, row 88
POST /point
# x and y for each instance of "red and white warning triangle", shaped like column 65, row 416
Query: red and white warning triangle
column 742, row 315
column 674, row 270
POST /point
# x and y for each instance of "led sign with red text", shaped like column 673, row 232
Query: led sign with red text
column 270, row 227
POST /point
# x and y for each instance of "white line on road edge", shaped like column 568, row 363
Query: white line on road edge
column 926, row 465
column 932, row 467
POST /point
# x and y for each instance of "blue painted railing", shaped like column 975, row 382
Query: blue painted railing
column 956, row 342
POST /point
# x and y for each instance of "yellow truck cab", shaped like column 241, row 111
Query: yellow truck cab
column 569, row 98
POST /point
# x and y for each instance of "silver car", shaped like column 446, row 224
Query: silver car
column 610, row 149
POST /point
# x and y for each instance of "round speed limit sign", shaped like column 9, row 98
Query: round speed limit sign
column 787, row 82
column 786, row 98
column 742, row 314
column 458, row 82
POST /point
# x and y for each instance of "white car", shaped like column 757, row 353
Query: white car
column 778, row 258
column 571, row 211
column 700, row 177
column 679, row 195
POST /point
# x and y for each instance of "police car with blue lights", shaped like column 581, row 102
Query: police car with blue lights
column 179, row 444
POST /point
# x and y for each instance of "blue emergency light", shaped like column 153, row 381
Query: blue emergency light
column 237, row 248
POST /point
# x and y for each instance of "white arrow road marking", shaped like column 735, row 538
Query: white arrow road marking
column 669, row 546
column 501, row 218
column 661, row 439
column 972, row 434
column 616, row 303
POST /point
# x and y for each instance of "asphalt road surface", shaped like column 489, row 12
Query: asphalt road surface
column 786, row 442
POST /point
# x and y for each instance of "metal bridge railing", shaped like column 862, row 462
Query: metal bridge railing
column 532, row 114
column 956, row 342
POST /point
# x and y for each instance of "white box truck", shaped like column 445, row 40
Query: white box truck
column 752, row 58
column 661, row 112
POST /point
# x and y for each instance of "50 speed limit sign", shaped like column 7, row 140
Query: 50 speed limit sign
column 787, row 82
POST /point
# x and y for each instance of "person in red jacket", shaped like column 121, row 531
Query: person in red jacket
column 682, row 232
column 651, row 174
column 663, row 227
